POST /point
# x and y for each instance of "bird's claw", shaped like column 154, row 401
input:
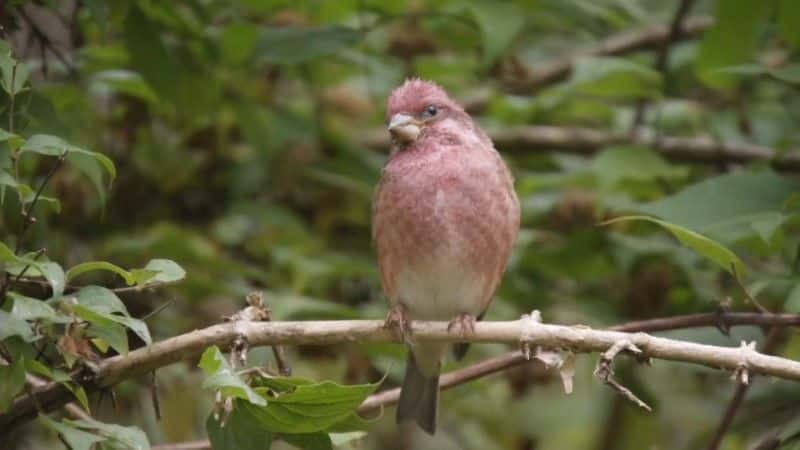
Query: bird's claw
column 398, row 322
column 465, row 323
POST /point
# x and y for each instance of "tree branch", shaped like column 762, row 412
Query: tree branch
column 587, row 141
column 579, row 339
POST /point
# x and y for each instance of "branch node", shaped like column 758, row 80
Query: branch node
column 529, row 322
column 742, row 372
column 605, row 372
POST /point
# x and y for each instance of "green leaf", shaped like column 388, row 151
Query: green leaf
column 126, row 82
column 290, row 45
column 6, row 255
column 26, row 308
column 166, row 271
column 75, row 438
column 240, row 432
column 119, row 437
column 104, row 306
column 45, row 144
column 237, row 42
column 6, row 179
column 728, row 207
column 615, row 77
column 148, row 54
column 616, row 164
column 12, row 326
column 789, row 22
column 12, row 380
column 105, row 327
column 499, row 24
column 792, row 304
column 54, row 275
column 142, row 276
column 82, row 268
column 732, row 40
column 14, row 75
column 789, row 74
column 309, row 441
column 101, row 299
column 704, row 246
column 220, row 376
column 309, row 408
column 104, row 160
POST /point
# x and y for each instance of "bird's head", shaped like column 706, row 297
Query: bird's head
column 417, row 105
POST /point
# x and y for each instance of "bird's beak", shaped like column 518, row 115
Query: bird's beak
column 404, row 128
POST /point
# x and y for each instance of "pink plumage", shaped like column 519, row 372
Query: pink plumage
column 445, row 218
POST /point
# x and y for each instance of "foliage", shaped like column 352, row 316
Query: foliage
column 197, row 151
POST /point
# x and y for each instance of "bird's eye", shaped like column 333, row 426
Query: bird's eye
column 431, row 110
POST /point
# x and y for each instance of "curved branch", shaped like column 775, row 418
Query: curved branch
column 587, row 141
column 580, row 339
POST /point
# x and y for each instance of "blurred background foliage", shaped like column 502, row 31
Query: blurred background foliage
column 243, row 131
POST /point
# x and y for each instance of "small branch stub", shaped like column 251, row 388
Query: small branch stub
column 605, row 372
column 529, row 321
column 742, row 374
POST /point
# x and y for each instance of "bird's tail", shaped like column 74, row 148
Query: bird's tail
column 419, row 397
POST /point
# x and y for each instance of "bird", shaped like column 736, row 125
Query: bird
column 445, row 218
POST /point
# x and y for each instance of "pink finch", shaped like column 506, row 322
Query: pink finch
column 445, row 217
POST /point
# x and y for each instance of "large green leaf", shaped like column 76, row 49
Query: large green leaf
column 12, row 326
column 732, row 40
column 308, row 407
column 45, row 144
column 14, row 74
column 730, row 206
column 109, row 317
column 220, row 376
column 26, row 308
column 240, row 432
column 148, row 55
column 156, row 271
column 119, row 437
column 704, row 246
column 74, row 437
column 297, row 44
column 616, row 164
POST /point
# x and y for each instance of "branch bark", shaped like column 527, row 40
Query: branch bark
column 586, row 141
column 579, row 339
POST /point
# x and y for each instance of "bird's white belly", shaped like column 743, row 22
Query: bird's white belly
column 441, row 286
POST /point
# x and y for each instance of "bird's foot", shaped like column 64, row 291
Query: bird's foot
column 465, row 322
column 398, row 322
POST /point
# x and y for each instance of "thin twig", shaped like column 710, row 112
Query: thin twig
column 27, row 214
column 45, row 41
column 739, row 394
column 663, row 54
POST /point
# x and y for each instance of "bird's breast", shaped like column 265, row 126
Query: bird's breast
column 443, row 228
